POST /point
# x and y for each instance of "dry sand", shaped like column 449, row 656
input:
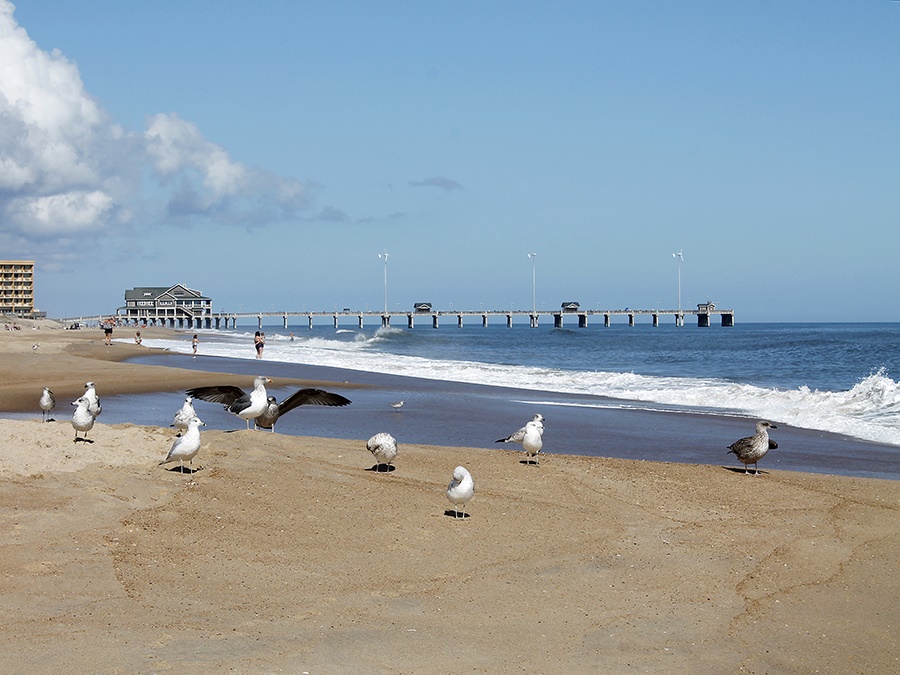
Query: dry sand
column 288, row 554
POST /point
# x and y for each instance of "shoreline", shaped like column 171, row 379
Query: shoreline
column 288, row 553
column 142, row 384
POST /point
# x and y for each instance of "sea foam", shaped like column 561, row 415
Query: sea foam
column 870, row 410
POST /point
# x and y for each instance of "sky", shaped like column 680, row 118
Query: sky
column 265, row 153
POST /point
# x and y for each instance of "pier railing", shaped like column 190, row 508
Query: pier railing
column 559, row 317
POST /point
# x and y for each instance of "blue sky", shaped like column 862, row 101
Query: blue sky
column 265, row 153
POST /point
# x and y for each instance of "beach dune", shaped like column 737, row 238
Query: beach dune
column 285, row 554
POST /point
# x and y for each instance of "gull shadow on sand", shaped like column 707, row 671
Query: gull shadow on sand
column 83, row 440
column 740, row 470
column 458, row 515
column 377, row 468
column 529, row 462
column 184, row 469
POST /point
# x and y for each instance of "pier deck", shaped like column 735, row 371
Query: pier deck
column 226, row 320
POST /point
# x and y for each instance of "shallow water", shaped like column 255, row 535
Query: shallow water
column 451, row 414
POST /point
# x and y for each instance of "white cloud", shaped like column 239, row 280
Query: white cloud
column 66, row 168
column 205, row 180
column 78, row 210
column 437, row 181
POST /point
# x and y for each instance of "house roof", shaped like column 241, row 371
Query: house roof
column 178, row 291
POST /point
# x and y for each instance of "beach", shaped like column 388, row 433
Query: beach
column 285, row 553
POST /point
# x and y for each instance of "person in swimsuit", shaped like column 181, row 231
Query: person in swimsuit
column 259, row 341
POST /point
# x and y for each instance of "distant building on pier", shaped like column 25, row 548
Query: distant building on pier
column 170, row 306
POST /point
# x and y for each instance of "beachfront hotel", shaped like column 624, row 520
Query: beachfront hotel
column 166, row 306
column 17, row 287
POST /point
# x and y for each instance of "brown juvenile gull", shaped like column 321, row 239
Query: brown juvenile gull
column 753, row 448
column 186, row 446
column 236, row 400
column 82, row 419
column 274, row 410
column 383, row 447
column 460, row 490
column 47, row 403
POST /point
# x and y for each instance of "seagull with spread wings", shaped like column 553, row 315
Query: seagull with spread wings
column 236, row 400
column 274, row 409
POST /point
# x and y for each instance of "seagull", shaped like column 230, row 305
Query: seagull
column 187, row 445
column 530, row 436
column 91, row 395
column 460, row 490
column 185, row 414
column 48, row 402
column 753, row 448
column 397, row 405
column 383, row 447
column 274, row 410
column 235, row 400
column 520, row 434
column 82, row 419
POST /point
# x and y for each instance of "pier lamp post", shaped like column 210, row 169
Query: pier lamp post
column 533, row 257
column 679, row 320
column 384, row 256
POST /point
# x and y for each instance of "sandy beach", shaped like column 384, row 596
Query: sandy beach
column 289, row 554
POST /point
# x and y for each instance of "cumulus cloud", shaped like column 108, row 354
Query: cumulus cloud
column 66, row 168
column 205, row 181
column 438, row 182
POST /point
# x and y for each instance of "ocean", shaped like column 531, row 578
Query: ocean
column 838, row 378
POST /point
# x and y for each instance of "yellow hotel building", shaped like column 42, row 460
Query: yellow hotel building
column 17, row 287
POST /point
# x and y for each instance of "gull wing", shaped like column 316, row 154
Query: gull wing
column 225, row 394
column 517, row 437
column 311, row 397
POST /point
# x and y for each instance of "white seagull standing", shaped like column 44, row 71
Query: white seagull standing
column 82, row 419
column 460, row 490
column 48, row 403
column 236, row 400
column 383, row 447
column 93, row 400
column 520, row 434
column 187, row 445
column 531, row 436
column 185, row 415
column 753, row 448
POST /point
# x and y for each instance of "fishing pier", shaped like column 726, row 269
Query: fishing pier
column 704, row 314
column 580, row 318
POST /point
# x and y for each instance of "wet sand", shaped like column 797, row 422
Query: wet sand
column 287, row 553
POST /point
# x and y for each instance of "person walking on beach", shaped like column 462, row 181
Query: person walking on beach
column 137, row 338
column 195, row 343
column 107, row 331
column 259, row 341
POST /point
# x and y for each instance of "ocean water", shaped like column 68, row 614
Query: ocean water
column 838, row 378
